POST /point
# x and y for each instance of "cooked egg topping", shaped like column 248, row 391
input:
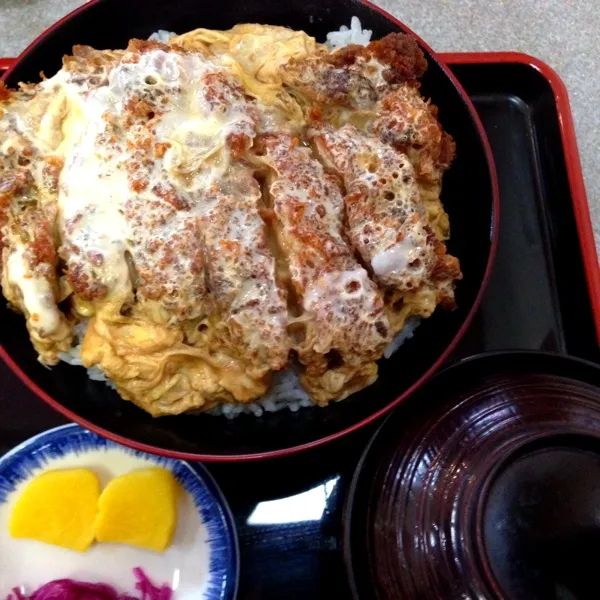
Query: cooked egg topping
column 214, row 207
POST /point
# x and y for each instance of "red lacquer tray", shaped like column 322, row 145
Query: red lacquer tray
column 544, row 294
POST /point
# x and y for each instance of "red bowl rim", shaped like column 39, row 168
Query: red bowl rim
column 313, row 444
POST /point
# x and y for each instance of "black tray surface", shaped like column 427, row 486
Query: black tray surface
column 289, row 511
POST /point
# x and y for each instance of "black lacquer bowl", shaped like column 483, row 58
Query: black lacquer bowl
column 485, row 484
column 470, row 197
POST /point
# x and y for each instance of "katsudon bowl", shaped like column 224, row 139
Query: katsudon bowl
column 469, row 195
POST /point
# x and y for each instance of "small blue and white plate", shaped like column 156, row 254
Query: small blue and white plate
column 201, row 564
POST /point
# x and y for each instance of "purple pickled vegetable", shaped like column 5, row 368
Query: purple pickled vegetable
column 149, row 591
column 68, row 589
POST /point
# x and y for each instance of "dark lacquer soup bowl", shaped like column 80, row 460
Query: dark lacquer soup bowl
column 469, row 196
column 483, row 485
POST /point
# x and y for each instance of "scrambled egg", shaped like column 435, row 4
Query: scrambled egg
column 214, row 207
column 256, row 54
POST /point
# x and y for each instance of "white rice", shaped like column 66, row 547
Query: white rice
column 344, row 36
column 286, row 390
column 73, row 357
column 406, row 334
column 162, row 35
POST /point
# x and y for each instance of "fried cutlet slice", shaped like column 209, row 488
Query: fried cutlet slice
column 385, row 219
column 28, row 216
column 251, row 309
column 351, row 77
column 341, row 313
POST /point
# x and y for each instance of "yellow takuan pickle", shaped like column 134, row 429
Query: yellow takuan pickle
column 58, row 507
column 140, row 509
